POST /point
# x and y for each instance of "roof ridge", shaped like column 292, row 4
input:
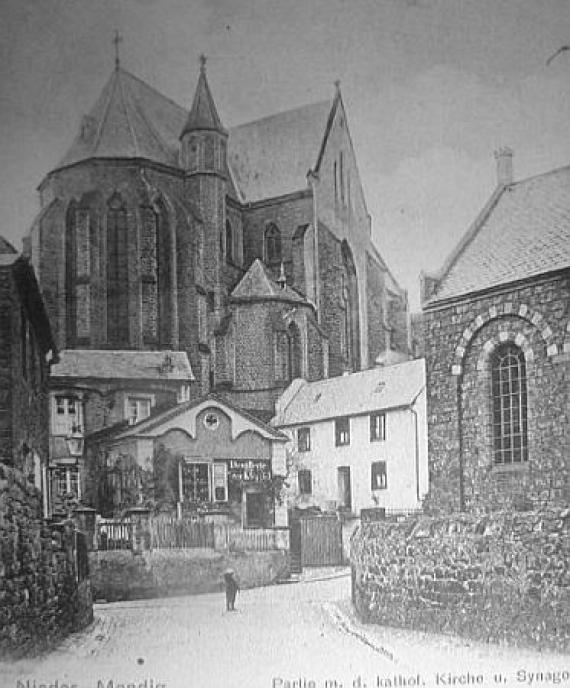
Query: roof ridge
column 538, row 175
column 126, row 109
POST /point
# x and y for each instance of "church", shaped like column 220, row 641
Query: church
column 178, row 258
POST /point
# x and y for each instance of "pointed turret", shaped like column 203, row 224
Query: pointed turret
column 203, row 141
column 203, row 115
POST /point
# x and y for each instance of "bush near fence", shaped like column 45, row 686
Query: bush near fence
column 504, row 577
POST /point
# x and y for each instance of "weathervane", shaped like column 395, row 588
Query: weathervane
column 116, row 40
column 203, row 59
column 560, row 50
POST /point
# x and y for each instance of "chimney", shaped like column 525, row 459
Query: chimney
column 504, row 158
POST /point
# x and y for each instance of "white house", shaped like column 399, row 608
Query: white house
column 360, row 440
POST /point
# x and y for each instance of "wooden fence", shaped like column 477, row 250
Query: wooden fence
column 166, row 532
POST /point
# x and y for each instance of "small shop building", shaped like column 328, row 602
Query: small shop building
column 206, row 457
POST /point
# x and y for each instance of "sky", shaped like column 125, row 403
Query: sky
column 432, row 88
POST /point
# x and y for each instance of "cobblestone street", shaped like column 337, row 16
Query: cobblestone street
column 280, row 637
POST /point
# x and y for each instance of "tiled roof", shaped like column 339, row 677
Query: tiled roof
column 377, row 389
column 257, row 283
column 147, row 365
column 269, row 157
column 525, row 233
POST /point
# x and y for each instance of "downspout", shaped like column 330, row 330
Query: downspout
column 416, row 442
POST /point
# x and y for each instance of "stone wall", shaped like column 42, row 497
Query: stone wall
column 123, row 575
column 501, row 577
column 41, row 598
column 460, row 338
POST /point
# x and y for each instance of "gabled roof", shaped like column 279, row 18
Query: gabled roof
column 377, row 389
column 146, row 365
column 157, row 421
column 129, row 120
column 271, row 157
column 257, row 284
column 203, row 114
column 523, row 232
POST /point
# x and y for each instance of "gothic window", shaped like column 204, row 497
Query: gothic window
column 229, row 243
column 272, row 244
column 341, row 175
column 294, row 351
column 149, row 270
column 117, row 273
column 209, row 152
column 282, row 371
column 508, row 377
column 78, row 271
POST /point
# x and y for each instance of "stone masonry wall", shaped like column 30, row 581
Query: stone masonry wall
column 123, row 575
column 459, row 341
column 41, row 599
column 501, row 577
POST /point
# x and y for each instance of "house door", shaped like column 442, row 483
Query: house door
column 254, row 509
column 344, row 488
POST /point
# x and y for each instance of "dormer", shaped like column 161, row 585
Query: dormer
column 203, row 141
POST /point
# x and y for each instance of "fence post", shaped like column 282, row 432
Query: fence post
column 84, row 519
column 140, row 523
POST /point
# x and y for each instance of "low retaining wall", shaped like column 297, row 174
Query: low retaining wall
column 124, row 575
column 41, row 599
column 503, row 577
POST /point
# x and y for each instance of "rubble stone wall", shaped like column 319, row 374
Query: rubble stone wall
column 41, row 599
column 124, row 575
column 504, row 577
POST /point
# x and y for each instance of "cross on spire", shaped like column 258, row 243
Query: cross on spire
column 117, row 38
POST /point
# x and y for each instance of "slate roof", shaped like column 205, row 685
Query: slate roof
column 257, row 283
column 6, row 247
column 267, row 158
column 129, row 120
column 272, row 156
column 203, row 113
column 377, row 389
column 147, row 365
column 524, row 232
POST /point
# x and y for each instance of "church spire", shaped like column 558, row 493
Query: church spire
column 203, row 114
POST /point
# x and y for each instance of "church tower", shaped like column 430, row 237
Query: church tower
column 203, row 157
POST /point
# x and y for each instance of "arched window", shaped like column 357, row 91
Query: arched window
column 272, row 244
column 229, row 243
column 508, row 375
column 117, row 273
column 294, row 351
column 78, row 272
